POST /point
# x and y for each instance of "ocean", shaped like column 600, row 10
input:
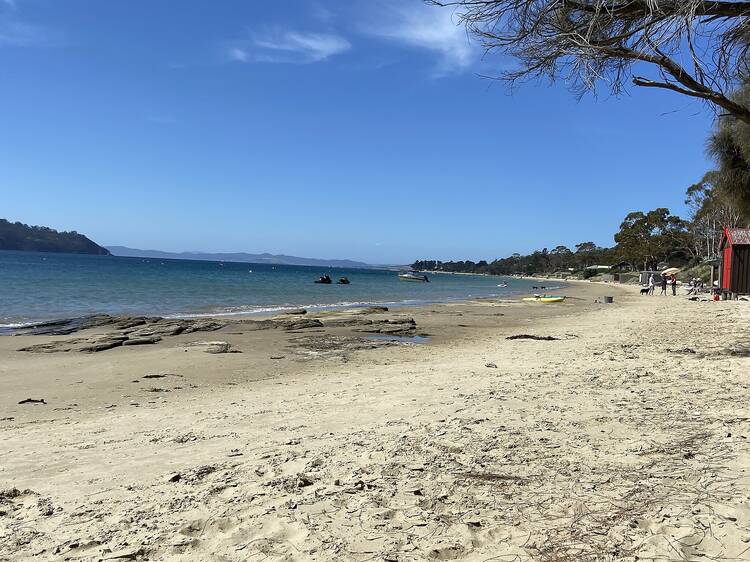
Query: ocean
column 43, row 286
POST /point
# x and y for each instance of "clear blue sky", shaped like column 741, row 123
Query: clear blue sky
column 318, row 128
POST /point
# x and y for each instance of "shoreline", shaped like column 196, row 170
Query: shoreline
column 439, row 449
column 261, row 336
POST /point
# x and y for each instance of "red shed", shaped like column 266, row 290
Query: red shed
column 735, row 257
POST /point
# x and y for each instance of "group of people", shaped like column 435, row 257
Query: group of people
column 665, row 280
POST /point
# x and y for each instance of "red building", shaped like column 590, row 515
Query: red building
column 735, row 261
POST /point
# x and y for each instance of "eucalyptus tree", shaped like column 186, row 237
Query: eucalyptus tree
column 710, row 212
column 647, row 238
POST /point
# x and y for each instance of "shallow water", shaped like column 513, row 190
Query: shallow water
column 42, row 286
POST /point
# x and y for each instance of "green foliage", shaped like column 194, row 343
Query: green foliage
column 729, row 145
column 700, row 271
column 648, row 238
column 644, row 240
column 544, row 261
column 710, row 211
column 19, row 236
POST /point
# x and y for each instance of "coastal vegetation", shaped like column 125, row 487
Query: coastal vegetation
column 644, row 240
column 22, row 237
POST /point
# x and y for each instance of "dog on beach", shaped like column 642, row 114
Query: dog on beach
column 644, row 291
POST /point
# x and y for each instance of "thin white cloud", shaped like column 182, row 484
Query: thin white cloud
column 238, row 54
column 288, row 47
column 425, row 27
column 18, row 34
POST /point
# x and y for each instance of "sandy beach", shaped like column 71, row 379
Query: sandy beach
column 620, row 433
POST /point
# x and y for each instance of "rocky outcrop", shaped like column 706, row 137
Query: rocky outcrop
column 301, row 324
column 129, row 331
column 393, row 327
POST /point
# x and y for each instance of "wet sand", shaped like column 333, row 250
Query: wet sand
column 621, row 435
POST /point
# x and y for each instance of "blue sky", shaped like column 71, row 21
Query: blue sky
column 355, row 129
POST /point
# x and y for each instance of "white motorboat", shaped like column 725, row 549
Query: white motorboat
column 413, row 276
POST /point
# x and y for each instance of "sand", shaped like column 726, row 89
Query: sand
column 624, row 437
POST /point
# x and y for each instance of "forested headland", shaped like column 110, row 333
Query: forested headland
column 22, row 237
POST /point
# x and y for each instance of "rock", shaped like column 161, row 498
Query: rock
column 66, row 326
column 174, row 477
column 214, row 346
column 134, row 326
column 202, row 326
column 295, row 311
column 401, row 321
column 142, row 341
column 256, row 325
column 51, row 347
column 161, row 328
column 395, row 327
column 302, row 324
column 129, row 322
column 374, row 309
column 33, row 401
column 345, row 322
column 398, row 329
column 102, row 345
column 491, row 366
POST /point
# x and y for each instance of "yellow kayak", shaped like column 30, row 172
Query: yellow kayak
column 545, row 298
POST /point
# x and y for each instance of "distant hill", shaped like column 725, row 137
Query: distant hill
column 235, row 257
column 22, row 237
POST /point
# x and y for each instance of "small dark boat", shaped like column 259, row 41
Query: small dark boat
column 343, row 281
column 324, row 280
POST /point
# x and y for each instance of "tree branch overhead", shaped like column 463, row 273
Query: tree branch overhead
column 590, row 43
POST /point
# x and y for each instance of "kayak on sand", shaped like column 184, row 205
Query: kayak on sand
column 544, row 298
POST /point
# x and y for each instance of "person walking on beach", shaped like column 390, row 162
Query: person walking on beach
column 663, row 285
column 674, row 285
column 651, row 284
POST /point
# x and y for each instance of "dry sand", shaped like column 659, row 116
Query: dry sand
column 623, row 438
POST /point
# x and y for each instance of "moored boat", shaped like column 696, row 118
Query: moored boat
column 413, row 276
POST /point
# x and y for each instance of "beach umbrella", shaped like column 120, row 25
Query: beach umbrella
column 671, row 271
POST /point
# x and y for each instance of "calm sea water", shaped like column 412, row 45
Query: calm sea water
column 40, row 286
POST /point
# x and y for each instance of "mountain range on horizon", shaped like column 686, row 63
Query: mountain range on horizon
column 243, row 257
column 22, row 237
